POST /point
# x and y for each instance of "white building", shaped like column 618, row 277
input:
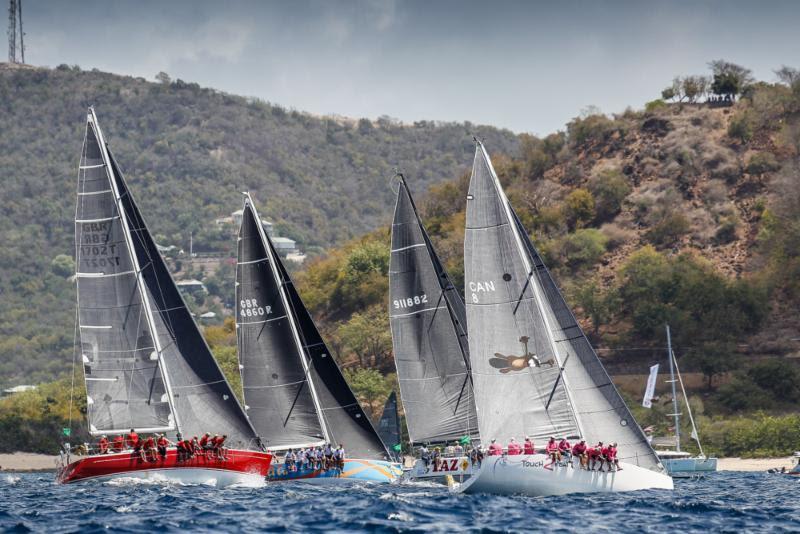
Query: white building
column 284, row 244
column 191, row 286
column 17, row 389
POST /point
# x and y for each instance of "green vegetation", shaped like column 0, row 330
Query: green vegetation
column 187, row 152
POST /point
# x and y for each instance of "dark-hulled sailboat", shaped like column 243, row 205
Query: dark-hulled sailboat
column 146, row 365
column 534, row 370
column 429, row 337
column 295, row 394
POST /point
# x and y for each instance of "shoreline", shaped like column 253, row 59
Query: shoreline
column 27, row 462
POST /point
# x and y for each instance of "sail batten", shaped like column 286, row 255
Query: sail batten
column 427, row 319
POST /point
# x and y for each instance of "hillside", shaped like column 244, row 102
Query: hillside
column 187, row 152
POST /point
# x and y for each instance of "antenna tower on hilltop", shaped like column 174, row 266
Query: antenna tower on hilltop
column 14, row 18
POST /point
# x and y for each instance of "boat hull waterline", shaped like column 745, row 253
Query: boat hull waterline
column 689, row 465
column 533, row 475
column 239, row 467
column 354, row 470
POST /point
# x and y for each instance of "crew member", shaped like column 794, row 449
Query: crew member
column 565, row 450
column 162, row 444
column 218, row 446
column 514, row 448
column 579, row 451
column 528, row 447
column 552, row 451
column 594, row 455
column 132, row 440
column 102, row 445
column 612, row 457
column 425, row 456
column 495, row 449
column 119, row 443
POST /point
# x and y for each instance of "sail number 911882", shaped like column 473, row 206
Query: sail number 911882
column 409, row 302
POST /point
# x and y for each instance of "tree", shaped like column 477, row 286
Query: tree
column 370, row 387
column 788, row 75
column 63, row 265
column 713, row 358
column 610, row 188
column 694, row 87
column 368, row 336
column 595, row 304
column 163, row 78
column 579, row 208
column 729, row 78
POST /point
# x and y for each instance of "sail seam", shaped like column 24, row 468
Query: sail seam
column 91, row 166
column 418, row 311
column 262, row 322
column 104, row 275
column 251, row 261
column 287, row 384
column 408, row 247
column 94, row 192
column 97, row 220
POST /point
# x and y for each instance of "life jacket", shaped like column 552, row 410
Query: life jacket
column 514, row 449
column 162, row 441
column 564, row 445
column 552, row 446
column 579, row 449
column 133, row 440
column 495, row 449
column 529, row 449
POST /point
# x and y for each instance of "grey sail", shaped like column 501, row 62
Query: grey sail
column 276, row 385
column 389, row 426
column 427, row 318
column 201, row 398
column 522, row 331
column 342, row 419
column 124, row 382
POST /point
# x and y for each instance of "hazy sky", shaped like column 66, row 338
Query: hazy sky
column 528, row 66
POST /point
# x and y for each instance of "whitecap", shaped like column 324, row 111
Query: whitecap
column 11, row 479
column 400, row 516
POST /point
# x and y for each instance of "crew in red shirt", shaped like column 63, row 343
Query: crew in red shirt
column 132, row 441
column 119, row 443
column 149, row 449
column 102, row 445
column 528, row 446
column 514, row 448
column 552, row 451
column 204, row 441
column 579, row 451
column 495, row 449
column 565, row 450
column 162, row 444
column 612, row 457
column 219, row 446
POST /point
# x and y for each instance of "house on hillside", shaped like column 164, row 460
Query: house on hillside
column 191, row 286
column 284, row 245
column 17, row 389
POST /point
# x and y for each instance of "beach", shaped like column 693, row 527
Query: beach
column 22, row 462
column 754, row 464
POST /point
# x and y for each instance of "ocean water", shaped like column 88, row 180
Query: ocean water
column 731, row 502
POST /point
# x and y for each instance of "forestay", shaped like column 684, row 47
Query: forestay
column 428, row 323
column 201, row 398
column 124, row 384
column 277, row 392
column 589, row 396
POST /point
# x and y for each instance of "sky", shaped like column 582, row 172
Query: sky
column 524, row 65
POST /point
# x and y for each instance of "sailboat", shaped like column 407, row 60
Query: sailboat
column 534, row 371
column 146, row 365
column 389, row 427
column 675, row 460
column 295, row 395
column 429, row 337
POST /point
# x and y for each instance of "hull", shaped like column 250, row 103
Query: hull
column 532, row 475
column 241, row 466
column 689, row 465
column 458, row 467
column 354, row 470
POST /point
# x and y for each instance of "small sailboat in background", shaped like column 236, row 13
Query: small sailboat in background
column 146, row 365
column 429, row 337
column 675, row 460
column 294, row 393
column 514, row 308
column 389, row 428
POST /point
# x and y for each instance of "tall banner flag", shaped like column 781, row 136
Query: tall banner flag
column 647, row 402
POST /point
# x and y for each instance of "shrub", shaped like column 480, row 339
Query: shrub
column 616, row 235
column 762, row 162
column 670, row 227
column 610, row 188
column 741, row 127
column 584, row 247
column 656, row 105
column 594, row 129
column 726, row 230
column 579, row 208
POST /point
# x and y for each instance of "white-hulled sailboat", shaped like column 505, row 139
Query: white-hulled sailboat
column 534, row 371
column 431, row 352
column 146, row 365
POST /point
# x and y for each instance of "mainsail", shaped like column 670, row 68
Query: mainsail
column 277, row 390
column 535, row 371
column 341, row 420
column 389, row 426
column 428, row 323
column 189, row 379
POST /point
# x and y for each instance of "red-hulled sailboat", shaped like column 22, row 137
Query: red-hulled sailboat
column 146, row 365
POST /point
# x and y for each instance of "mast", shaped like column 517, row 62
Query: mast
column 135, row 261
column 672, row 381
column 529, row 269
column 291, row 316
column 695, row 435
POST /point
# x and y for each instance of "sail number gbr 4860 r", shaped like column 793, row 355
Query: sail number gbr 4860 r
column 250, row 308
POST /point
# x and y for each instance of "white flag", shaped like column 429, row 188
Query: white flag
column 647, row 402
